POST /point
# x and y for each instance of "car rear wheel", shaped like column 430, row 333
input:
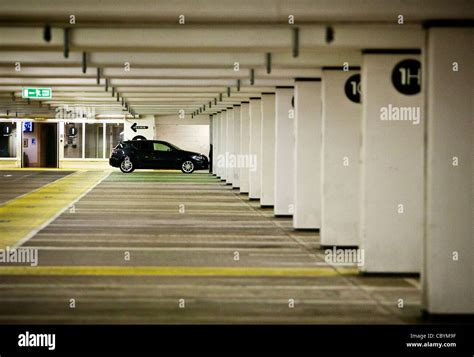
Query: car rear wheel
column 187, row 167
column 127, row 166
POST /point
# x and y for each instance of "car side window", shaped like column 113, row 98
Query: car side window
column 142, row 145
column 161, row 147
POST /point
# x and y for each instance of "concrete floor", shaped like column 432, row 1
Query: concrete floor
column 15, row 183
column 186, row 229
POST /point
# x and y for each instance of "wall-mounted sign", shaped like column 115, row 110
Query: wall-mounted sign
column 72, row 131
column 352, row 88
column 27, row 126
column 44, row 93
column 7, row 129
column 406, row 76
column 136, row 127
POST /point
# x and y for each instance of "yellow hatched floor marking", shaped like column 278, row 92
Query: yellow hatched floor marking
column 175, row 271
column 23, row 216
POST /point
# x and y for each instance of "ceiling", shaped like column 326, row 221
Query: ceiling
column 134, row 57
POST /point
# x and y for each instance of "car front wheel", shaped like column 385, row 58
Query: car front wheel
column 187, row 167
column 127, row 166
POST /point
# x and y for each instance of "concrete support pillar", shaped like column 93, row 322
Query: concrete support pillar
column 244, row 145
column 255, row 147
column 342, row 115
column 284, row 151
column 307, row 173
column 229, row 177
column 268, row 150
column 212, row 141
column 391, row 225
column 447, row 275
column 236, row 181
column 221, row 162
column 218, row 143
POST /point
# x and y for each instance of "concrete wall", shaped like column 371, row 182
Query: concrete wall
column 448, row 269
column 392, row 172
column 340, row 162
column 32, row 152
column 187, row 134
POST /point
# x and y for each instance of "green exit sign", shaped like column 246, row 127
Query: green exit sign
column 37, row 93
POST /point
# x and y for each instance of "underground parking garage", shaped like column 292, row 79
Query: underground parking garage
column 305, row 164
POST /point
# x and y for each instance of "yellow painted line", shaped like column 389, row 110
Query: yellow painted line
column 175, row 271
column 26, row 214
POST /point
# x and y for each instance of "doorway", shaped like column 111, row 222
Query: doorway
column 40, row 144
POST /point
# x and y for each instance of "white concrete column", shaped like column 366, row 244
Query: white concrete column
column 244, row 145
column 218, row 144
column 236, row 182
column 222, row 162
column 284, row 152
column 230, row 145
column 307, row 159
column 448, row 276
column 255, row 147
column 342, row 116
column 268, row 150
column 212, row 139
column 391, row 225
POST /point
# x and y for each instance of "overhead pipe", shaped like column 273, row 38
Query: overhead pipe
column 47, row 33
column 66, row 42
column 84, row 62
column 296, row 41
column 269, row 62
column 329, row 34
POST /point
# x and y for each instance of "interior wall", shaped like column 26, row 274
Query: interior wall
column 32, row 150
column 190, row 134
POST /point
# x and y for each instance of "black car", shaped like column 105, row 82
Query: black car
column 155, row 154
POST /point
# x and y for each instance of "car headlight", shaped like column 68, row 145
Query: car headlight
column 198, row 157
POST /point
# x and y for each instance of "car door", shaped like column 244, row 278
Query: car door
column 143, row 153
column 163, row 156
